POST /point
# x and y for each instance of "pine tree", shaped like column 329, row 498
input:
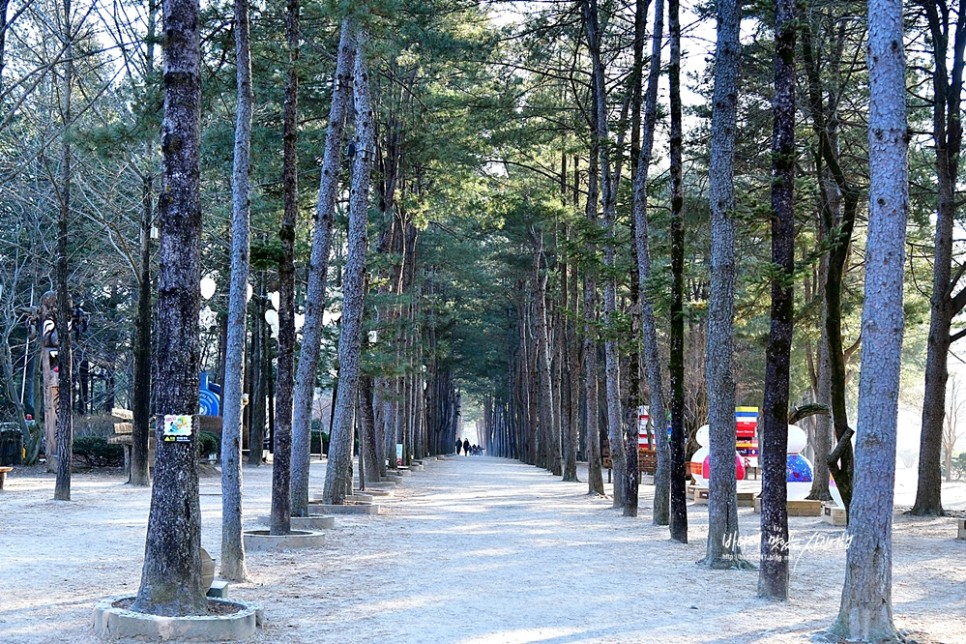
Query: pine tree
column 866, row 609
column 773, row 570
column 232, row 545
column 171, row 576
column 723, row 547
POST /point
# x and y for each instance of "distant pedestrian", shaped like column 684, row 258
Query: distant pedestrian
column 466, row 446
column 459, row 444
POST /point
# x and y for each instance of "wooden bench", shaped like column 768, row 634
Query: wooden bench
column 3, row 474
column 797, row 508
column 742, row 499
column 124, row 436
column 646, row 462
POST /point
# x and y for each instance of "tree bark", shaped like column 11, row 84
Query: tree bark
column 571, row 440
column 822, row 434
column 723, row 548
column 595, row 478
column 171, row 576
column 258, row 378
column 318, row 273
column 232, row 544
column 369, row 445
column 608, row 190
column 350, row 336
column 866, row 609
column 140, row 475
column 838, row 221
column 773, row 569
column 944, row 306
column 678, row 456
column 551, row 439
column 655, row 381
column 65, row 412
column 282, row 436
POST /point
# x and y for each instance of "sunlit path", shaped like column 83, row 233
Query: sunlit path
column 473, row 549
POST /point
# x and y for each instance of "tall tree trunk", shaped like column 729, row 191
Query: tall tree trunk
column 282, row 436
column 837, row 225
column 944, row 306
column 535, row 427
column 652, row 356
column 556, row 345
column 368, row 453
column 549, row 436
column 258, row 378
column 171, row 576
column 773, row 570
column 822, row 434
column 866, row 609
column 65, row 412
column 723, row 548
column 350, row 336
column 140, row 467
column 232, row 544
column 318, row 273
column 608, row 188
column 571, row 440
column 595, row 478
column 678, row 459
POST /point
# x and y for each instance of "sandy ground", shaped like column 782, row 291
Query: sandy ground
column 471, row 550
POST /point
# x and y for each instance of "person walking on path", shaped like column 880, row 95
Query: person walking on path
column 459, row 444
column 466, row 446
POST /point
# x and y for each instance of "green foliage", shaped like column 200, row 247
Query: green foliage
column 208, row 443
column 97, row 452
column 958, row 466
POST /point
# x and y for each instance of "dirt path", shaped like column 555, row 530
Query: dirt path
column 470, row 550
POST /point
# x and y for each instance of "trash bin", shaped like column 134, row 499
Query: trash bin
column 11, row 446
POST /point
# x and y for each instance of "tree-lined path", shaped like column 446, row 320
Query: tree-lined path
column 485, row 217
column 473, row 549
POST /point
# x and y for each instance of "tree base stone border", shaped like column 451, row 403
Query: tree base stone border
column 311, row 522
column 377, row 491
column 321, row 522
column 322, row 508
column 232, row 620
column 264, row 541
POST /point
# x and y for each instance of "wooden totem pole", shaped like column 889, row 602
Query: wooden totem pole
column 49, row 362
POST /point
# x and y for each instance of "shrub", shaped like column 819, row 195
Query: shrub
column 208, row 443
column 97, row 452
column 959, row 465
